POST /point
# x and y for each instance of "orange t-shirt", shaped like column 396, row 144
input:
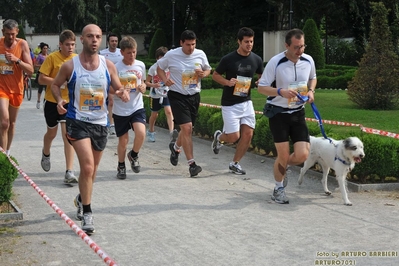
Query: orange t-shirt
column 11, row 75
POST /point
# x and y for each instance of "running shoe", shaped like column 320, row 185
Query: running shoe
column 88, row 223
column 121, row 173
column 174, row 155
column 134, row 162
column 194, row 169
column 216, row 144
column 70, row 177
column 111, row 130
column 79, row 208
column 46, row 164
column 173, row 135
column 236, row 169
column 151, row 136
column 279, row 196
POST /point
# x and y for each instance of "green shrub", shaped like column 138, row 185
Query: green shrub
column 263, row 138
column 8, row 174
column 381, row 157
column 313, row 42
column 158, row 40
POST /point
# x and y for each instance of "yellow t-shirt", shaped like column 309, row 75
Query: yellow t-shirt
column 50, row 67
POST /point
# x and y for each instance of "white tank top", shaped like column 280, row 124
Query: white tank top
column 88, row 92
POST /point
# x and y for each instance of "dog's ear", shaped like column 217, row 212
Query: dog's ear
column 349, row 145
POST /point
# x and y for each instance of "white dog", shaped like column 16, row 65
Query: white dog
column 340, row 155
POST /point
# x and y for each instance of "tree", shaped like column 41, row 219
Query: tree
column 376, row 84
column 157, row 41
column 313, row 42
column 21, row 32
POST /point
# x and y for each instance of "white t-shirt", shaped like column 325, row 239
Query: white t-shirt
column 130, row 77
column 155, row 79
column 115, row 57
column 181, row 67
column 283, row 72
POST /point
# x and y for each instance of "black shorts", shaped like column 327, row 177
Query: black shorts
column 155, row 106
column 184, row 107
column 51, row 114
column 77, row 130
column 41, row 88
column 284, row 126
column 124, row 123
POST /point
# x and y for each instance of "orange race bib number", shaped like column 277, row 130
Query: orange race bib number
column 189, row 79
column 242, row 86
column 128, row 81
column 91, row 97
column 6, row 68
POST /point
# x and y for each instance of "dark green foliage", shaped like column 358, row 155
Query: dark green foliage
column 381, row 157
column 376, row 84
column 263, row 138
column 8, row 174
column 313, row 42
column 158, row 40
column 341, row 52
column 21, row 32
column 335, row 76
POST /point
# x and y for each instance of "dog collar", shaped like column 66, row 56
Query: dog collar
column 341, row 160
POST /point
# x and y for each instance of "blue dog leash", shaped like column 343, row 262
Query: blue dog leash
column 318, row 117
column 316, row 114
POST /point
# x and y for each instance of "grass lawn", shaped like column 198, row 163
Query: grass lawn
column 332, row 105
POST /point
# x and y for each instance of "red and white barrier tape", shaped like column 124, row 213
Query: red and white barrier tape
column 364, row 129
column 71, row 223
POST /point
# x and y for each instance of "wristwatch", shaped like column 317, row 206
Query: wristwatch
column 18, row 61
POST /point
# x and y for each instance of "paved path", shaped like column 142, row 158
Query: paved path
column 162, row 217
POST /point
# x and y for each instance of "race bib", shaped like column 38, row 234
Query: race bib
column 189, row 79
column 242, row 86
column 302, row 88
column 6, row 68
column 128, row 81
column 91, row 97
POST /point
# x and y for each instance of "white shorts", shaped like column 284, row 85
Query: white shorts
column 236, row 115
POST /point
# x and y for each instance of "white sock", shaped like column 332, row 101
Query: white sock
column 279, row 184
column 8, row 152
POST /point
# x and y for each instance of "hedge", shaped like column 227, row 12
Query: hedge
column 380, row 165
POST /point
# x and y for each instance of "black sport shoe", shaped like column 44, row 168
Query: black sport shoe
column 194, row 169
column 88, row 223
column 79, row 208
column 174, row 155
column 121, row 173
column 134, row 162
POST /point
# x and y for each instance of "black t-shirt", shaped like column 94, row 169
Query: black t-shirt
column 233, row 65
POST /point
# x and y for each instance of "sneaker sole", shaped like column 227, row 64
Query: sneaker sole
column 171, row 148
column 89, row 231
column 237, row 173
column 121, row 177
column 71, row 181
column 280, row 202
column 215, row 151
column 175, row 134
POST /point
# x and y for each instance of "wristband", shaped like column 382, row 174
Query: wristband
column 278, row 92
